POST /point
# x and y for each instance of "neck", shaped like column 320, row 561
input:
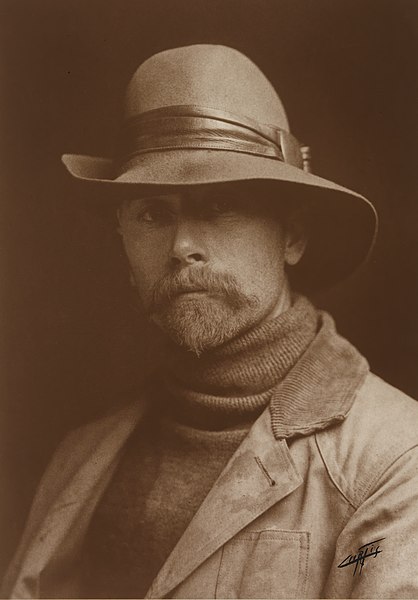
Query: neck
column 284, row 303
column 237, row 378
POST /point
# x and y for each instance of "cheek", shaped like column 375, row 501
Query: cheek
column 147, row 263
column 258, row 256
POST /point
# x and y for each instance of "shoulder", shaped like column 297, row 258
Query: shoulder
column 82, row 441
column 99, row 439
column 83, row 455
column 379, row 433
column 386, row 414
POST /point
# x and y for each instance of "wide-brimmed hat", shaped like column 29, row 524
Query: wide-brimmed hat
column 204, row 115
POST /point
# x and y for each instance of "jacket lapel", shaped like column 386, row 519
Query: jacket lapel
column 46, row 555
column 260, row 474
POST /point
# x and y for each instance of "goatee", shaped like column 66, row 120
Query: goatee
column 201, row 309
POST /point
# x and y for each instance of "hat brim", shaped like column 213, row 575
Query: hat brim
column 343, row 224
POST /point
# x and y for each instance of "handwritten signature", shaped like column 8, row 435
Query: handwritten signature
column 365, row 551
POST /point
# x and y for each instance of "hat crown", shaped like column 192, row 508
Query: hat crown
column 206, row 75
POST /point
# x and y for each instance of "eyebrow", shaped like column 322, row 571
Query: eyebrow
column 148, row 200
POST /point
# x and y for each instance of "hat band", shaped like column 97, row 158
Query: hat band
column 195, row 127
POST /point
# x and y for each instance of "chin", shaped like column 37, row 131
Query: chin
column 200, row 324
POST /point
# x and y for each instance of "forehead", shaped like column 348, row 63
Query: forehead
column 196, row 194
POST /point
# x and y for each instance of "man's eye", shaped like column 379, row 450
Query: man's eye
column 222, row 206
column 156, row 215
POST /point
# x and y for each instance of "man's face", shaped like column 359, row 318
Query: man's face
column 208, row 264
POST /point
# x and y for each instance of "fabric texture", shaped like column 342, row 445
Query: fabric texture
column 173, row 459
column 164, row 476
column 340, row 481
column 236, row 381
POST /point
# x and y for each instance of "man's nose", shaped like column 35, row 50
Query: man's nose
column 187, row 246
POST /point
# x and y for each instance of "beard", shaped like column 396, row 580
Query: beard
column 200, row 309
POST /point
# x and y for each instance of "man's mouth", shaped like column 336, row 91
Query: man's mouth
column 199, row 284
column 187, row 291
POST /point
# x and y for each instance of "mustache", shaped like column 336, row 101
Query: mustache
column 198, row 280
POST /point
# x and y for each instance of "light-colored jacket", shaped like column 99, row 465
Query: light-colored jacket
column 280, row 519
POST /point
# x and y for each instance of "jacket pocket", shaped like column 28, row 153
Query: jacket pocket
column 264, row 564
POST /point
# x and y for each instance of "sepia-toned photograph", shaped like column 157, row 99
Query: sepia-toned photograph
column 209, row 277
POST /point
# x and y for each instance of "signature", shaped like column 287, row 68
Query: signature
column 364, row 551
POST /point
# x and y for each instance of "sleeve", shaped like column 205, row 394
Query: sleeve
column 389, row 514
column 74, row 480
column 60, row 468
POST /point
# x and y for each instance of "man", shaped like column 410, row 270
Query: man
column 264, row 460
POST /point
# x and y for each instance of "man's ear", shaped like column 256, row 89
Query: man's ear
column 296, row 237
column 132, row 279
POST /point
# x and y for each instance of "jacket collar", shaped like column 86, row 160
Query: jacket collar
column 321, row 388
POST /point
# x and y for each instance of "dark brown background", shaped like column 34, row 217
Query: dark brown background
column 70, row 340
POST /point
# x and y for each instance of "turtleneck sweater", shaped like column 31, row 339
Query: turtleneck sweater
column 226, row 384
column 201, row 408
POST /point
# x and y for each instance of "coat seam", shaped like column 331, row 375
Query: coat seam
column 331, row 477
column 219, row 571
column 306, row 563
column 373, row 485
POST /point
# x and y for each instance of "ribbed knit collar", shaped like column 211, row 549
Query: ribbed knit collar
column 232, row 384
column 320, row 389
